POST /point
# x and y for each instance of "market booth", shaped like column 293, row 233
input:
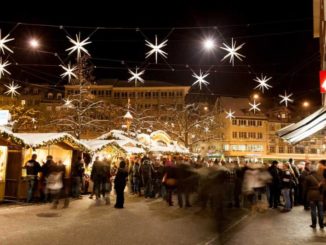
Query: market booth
column 21, row 146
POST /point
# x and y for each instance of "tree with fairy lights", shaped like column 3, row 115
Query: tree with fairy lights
column 191, row 124
column 82, row 113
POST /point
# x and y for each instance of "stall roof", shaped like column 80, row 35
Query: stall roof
column 304, row 128
column 35, row 140
column 98, row 145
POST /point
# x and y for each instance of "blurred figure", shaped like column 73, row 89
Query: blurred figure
column 55, row 182
column 157, row 177
column 136, row 177
column 303, row 192
column 77, row 172
column 120, row 184
column 45, row 173
column 295, row 187
column 32, row 169
column 100, row 176
column 169, row 180
column 314, row 185
column 146, row 171
column 187, row 181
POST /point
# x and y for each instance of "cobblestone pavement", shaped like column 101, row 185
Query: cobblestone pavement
column 273, row 227
column 141, row 222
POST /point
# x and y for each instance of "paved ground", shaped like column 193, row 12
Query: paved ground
column 141, row 222
column 278, row 228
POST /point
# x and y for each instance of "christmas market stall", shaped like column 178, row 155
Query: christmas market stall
column 159, row 142
column 21, row 146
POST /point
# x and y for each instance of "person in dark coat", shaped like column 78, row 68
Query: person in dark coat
column 275, row 185
column 314, row 186
column 32, row 169
column 303, row 193
column 120, row 182
column 100, row 176
column 77, row 172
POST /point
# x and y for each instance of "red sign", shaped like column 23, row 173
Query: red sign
column 322, row 79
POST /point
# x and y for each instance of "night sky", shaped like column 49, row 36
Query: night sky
column 278, row 36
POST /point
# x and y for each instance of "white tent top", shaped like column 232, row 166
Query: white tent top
column 310, row 125
column 35, row 140
column 124, row 145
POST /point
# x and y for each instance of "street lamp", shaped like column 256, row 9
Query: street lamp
column 209, row 44
column 305, row 104
column 34, row 43
column 256, row 96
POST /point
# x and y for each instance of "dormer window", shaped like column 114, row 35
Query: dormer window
column 50, row 96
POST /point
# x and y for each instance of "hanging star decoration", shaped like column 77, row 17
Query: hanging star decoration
column 200, row 79
column 263, row 83
column 136, row 76
column 3, row 41
column 156, row 49
column 12, row 89
column 33, row 120
column 3, row 70
column 78, row 46
column 254, row 106
column 286, row 98
column 69, row 71
column 68, row 102
column 233, row 51
column 230, row 114
column 206, row 129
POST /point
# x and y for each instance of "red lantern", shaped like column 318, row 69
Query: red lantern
column 322, row 79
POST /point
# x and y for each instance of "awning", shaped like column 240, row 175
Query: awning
column 304, row 128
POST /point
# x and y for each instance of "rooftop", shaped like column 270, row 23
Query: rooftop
column 147, row 83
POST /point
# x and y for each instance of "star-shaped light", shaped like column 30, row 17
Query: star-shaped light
column 33, row 120
column 206, row 129
column 3, row 70
column 136, row 76
column 254, row 107
column 230, row 114
column 3, row 42
column 232, row 51
column 12, row 89
column 156, row 48
column 286, row 98
column 263, row 82
column 68, row 102
column 78, row 46
column 200, row 79
column 69, row 71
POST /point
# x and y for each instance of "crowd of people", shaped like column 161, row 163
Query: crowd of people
column 278, row 185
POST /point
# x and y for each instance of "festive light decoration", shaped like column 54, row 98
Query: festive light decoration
column 12, row 89
column 254, row 106
column 263, row 83
column 230, row 114
column 136, row 76
column 78, row 46
column 156, row 49
column 69, row 71
column 232, row 51
column 206, row 129
column 285, row 98
column 209, row 44
column 3, row 70
column 200, row 79
column 34, row 120
column 3, row 41
column 68, row 102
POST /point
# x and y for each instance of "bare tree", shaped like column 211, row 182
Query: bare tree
column 191, row 124
column 82, row 113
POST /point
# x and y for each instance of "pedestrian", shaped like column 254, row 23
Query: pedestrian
column 77, row 171
column 100, row 176
column 286, row 178
column 120, row 184
column 32, row 169
column 146, row 171
column 304, row 174
column 45, row 169
column 136, row 177
column 275, row 185
column 55, row 183
column 295, row 199
column 170, row 180
column 314, row 185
